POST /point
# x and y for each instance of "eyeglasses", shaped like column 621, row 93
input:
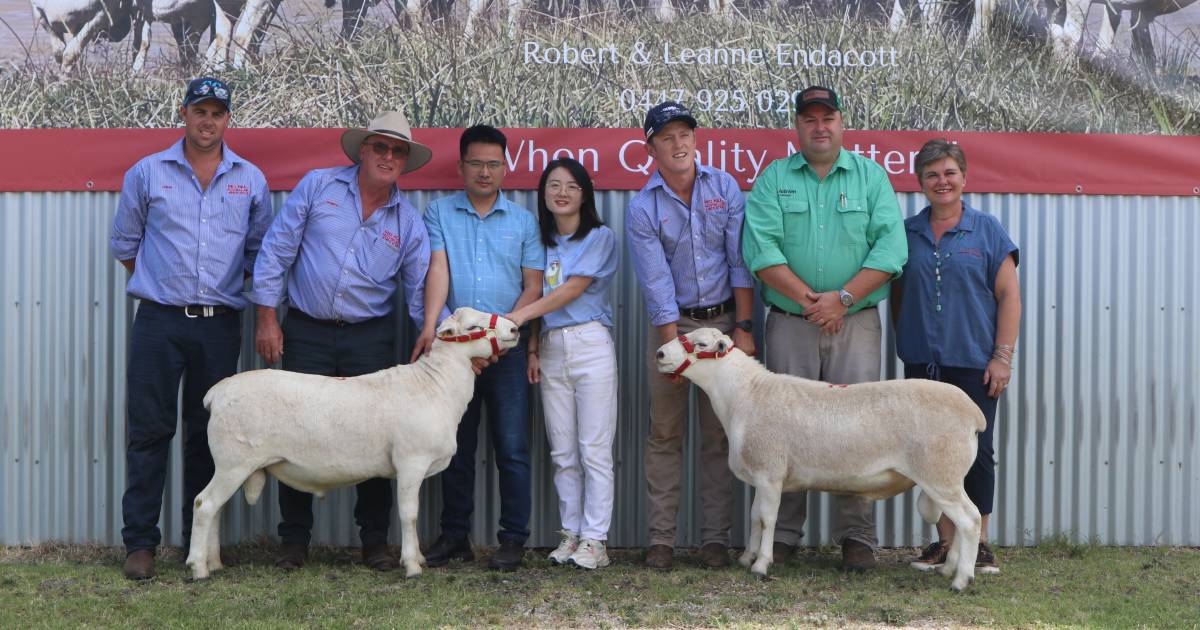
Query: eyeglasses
column 557, row 187
column 479, row 165
column 389, row 151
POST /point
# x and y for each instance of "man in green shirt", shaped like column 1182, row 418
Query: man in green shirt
column 823, row 232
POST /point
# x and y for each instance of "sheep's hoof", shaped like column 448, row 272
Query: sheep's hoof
column 199, row 573
column 959, row 584
column 760, row 568
column 947, row 569
column 747, row 558
column 412, row 570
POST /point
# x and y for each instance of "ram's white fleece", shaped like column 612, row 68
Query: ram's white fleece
column 317, row 433
column 873, row 440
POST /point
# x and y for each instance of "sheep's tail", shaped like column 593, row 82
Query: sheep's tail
column 253, row 486
column 980, row 420
column 212, row 393
column 928, row 509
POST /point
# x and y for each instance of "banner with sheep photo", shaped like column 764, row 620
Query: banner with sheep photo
column 577, row 77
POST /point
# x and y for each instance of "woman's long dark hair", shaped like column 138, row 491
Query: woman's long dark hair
column 588, row 217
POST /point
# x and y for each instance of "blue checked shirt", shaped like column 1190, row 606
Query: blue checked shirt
column 191, row 246
column 485, row 254
column 340, row 267
column 687, row 254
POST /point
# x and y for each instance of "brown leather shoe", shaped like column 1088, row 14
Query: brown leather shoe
column 857, row 557
column 139, row 565
column 378, row 558
column 660, row 557
column 291, row 556
column 782, row 552
column 714, row 555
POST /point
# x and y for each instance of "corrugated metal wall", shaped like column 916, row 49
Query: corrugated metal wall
column 1097, row 436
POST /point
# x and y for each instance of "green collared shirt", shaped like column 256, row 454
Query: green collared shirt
column 824, row 231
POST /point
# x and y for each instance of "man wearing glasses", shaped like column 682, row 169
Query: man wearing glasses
column 347, row 238
column 188, row 225
column 491, row 248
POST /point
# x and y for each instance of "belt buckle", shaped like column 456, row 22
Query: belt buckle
column 187, row 312
column 205, row 311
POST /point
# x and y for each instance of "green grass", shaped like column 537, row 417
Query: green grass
column 312, row 78
column 1059, row 583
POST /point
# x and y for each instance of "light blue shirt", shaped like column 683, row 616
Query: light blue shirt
column 486, row 253
column 594, row 257
column 191, row 246
column 339, row 266
column 948, row 301
column 687, row 254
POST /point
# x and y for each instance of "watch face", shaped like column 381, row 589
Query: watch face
column 846, row 298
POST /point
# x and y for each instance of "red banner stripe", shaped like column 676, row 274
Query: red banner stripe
column 1090, row 164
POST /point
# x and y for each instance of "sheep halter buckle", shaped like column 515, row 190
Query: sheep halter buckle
column 479, row 334
column 690, row 348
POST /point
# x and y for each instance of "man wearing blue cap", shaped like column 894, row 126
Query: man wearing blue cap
column 188, row 226
column 684, row 231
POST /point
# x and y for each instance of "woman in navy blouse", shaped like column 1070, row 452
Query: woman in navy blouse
column 957, row 308
column 577, row 366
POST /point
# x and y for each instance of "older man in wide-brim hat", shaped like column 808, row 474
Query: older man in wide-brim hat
column 346, row 239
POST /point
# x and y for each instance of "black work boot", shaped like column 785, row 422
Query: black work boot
column 508, row 557
column 447, row 549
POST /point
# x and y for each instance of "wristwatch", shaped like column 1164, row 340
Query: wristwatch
column 846, row 298
column 746, row 325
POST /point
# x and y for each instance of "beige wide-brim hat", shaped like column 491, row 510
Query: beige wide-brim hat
column 392, row 125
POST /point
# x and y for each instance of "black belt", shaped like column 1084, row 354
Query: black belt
column 192, row 311
column 708, row 312
column 325, row 322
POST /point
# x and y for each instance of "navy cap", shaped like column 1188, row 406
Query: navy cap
column 666, row 112
column 206, row 88
column 818, row 94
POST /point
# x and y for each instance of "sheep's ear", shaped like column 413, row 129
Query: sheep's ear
column 724, row 344
column 449, row 326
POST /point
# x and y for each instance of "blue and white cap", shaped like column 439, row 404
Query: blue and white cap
column 666, row 112
column 206, row 88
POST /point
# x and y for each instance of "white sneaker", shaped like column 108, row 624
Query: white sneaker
column 569, row 543
column 591, row 554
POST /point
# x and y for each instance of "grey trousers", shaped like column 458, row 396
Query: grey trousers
column 664, row 451
column 796, row 347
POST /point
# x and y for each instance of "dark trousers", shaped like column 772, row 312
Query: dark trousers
column 329, row 349
column 166, row 346
column 504, row 388
column 981, row 478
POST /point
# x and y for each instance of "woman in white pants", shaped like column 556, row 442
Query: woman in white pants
column 574, row 359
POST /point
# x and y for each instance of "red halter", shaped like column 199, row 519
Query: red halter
column 479, row 334
column 690, row 348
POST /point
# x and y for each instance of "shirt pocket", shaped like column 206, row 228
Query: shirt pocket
column 854, row 218
column 715, row 223
column 233, row 211
column 966, row 271
column 380, row 261
column 795, row 215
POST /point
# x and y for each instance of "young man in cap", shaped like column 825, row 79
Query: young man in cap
column 347, row 239
column 488, row 255
column 188, row 226
column 825, row 235
column 684, row 231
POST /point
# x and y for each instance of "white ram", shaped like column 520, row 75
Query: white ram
column 873, row 440
column 317, row 433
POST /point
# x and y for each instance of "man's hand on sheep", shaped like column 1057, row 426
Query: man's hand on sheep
column 423, row 345
column 826, row 311
column 744, row 341
column 268, row 336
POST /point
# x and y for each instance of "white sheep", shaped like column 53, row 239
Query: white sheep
column 873, row 440
column 317, row 433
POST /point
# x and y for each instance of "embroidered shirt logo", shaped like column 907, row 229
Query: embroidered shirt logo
column 970, row 251
column 237, row 189
column 392, row 239
column 712, row 205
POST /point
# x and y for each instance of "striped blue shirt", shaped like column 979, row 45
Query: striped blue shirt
column 339, row 266
column 687, row 254
column 485, row 254
column 594, row 257
column 191, row 246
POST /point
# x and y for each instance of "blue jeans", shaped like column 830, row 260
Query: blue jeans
column 504, row 388
column 980, row 482
column 165, row 346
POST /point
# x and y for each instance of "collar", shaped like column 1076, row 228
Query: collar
column 174, row 153
column 462, row 202
column 348, row 175
column 844, row 161
column 920, row 222
column 479, row 334
column 689, row 348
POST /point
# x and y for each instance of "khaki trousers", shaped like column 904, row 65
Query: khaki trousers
column 796, row 347
column 664, row 450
